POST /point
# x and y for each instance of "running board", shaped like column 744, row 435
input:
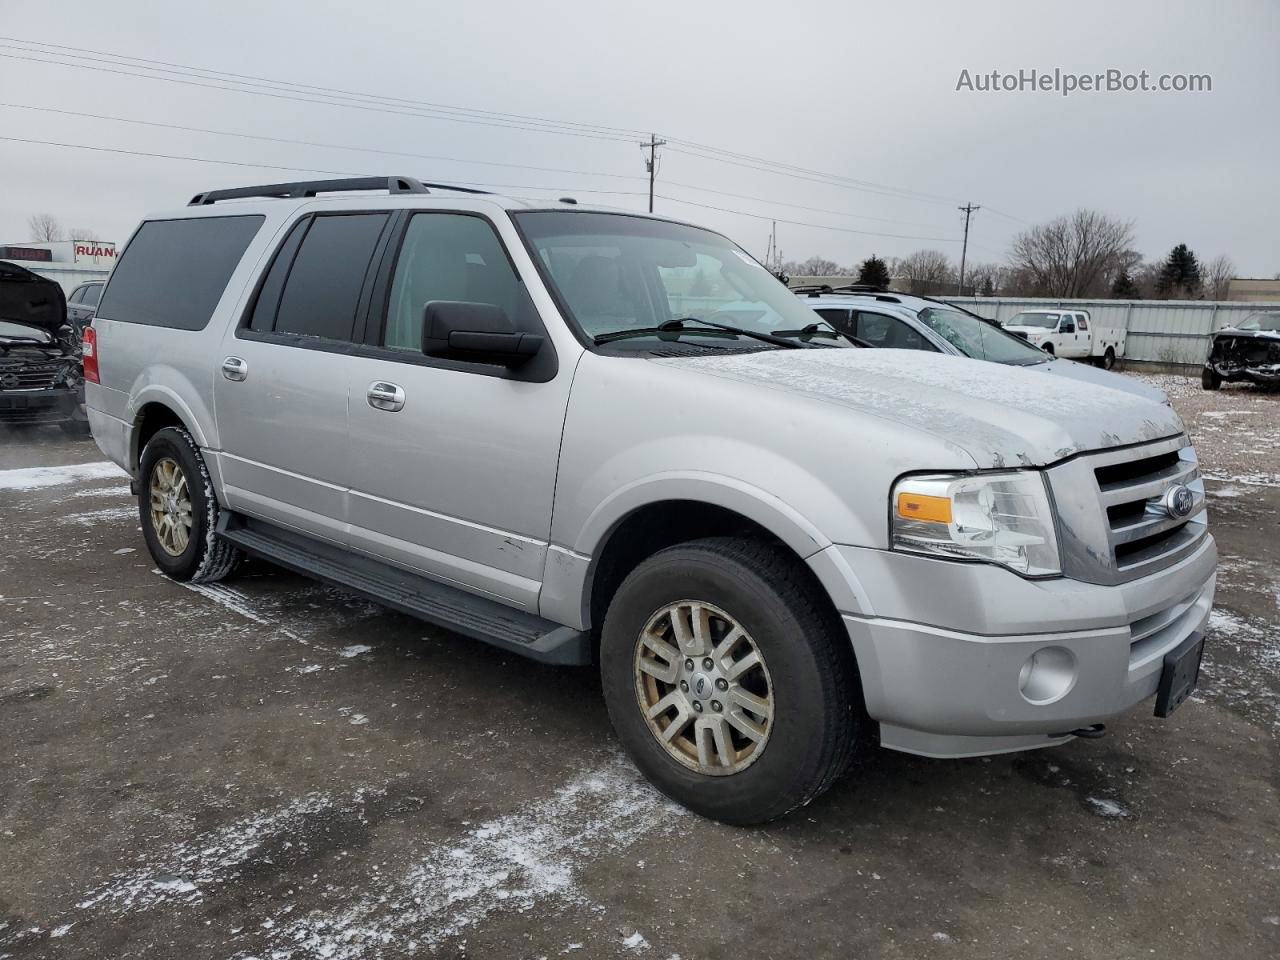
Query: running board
column 477, row 617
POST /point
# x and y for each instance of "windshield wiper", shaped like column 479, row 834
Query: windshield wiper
column 831, row 328
column 678, row 325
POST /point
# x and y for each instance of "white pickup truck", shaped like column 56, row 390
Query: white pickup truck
column 1071, row 334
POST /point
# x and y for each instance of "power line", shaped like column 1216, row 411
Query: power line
column 311, row 93
column 802, row 223
column 152, row 63
column 420, row 114
column 271, row 166
column 312, row 143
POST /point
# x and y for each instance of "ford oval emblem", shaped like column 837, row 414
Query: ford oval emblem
column 1179, row 501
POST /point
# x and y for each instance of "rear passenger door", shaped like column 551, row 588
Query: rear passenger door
column 456, row 480
column 281, row 381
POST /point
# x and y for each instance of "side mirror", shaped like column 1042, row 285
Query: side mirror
column 475, row 333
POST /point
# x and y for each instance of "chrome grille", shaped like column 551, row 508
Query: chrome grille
column 1126, row 532
column 21, row 375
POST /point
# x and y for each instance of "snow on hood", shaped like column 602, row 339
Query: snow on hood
column 1000, row 415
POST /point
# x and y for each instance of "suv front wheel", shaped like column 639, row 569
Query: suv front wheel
column 178, row 510
column 728, row 682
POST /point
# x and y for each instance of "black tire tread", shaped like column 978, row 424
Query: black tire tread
column 816, row 624
column 218, row 558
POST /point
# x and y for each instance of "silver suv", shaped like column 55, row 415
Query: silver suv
column 595, row 436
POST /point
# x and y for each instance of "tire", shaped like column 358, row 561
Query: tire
column 1210, row 379
column 1108, row 358
column 817, row 716
column 199, row 556
column 1048, row 348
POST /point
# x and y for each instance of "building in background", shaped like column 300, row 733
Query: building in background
column 69, row 262
column 1254, row 289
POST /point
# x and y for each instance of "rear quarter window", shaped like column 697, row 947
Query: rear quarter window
column 173, row 272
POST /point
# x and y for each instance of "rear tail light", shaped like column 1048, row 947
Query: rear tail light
column 89, row 355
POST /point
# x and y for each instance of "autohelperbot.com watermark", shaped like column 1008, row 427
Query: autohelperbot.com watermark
column 1066, row 82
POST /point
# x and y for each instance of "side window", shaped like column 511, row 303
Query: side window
column 882, row 330
column 92, row 294
column 450, row 256
column 323, row 287
column 1067, row 325
column 174, row 272
column 838, row 319
column 77, row 294
column 1082, row 323
column 263, row 318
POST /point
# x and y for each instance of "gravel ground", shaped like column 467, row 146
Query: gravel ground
column 268, row 768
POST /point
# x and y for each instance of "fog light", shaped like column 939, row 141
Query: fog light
column 1047, row 675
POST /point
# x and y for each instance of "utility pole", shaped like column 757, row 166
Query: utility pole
column 968, row 210
column 651, row 164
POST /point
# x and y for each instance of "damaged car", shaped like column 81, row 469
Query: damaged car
column 1249, row 352
column 41, row 378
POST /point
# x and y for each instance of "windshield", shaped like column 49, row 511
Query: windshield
column 20, row 331
column 978, row 339
column 616, row 272
column 1261, row 321
column 1047, row 320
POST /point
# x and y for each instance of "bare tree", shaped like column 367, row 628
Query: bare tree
column 82, row 233
column 1216, row 276
column 925, row 271
column 1073, row 256
column 44, row 227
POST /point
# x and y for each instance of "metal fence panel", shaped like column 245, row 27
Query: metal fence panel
column 1162, row 331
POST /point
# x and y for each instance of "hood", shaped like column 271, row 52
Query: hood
column 1085, row 373
column 1001, row 416
column 1258, row 334
column 29, row 298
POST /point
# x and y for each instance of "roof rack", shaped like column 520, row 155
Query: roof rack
column 861, row 288
column 812, row 289
column 311, row 188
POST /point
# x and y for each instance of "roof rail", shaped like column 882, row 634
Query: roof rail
column 310, row 188
column 812, row 289
column 861, row 288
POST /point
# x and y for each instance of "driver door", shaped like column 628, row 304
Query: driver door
column 454, row 477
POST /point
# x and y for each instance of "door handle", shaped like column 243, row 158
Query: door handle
column 233, row 368
column 385, row 396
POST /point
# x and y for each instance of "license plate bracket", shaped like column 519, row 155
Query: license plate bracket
column 1180, row 675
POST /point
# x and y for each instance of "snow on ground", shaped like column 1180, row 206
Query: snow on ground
column 529, row 859
column 187, row 871
column 35, row 478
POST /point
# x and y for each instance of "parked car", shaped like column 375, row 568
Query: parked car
column 513, row 420
column 1071, row 334
column 1249, row 352
column 40, row 378
column 83, row 302
column 897, row 320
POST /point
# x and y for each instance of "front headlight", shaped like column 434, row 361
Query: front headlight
column 1002, row 518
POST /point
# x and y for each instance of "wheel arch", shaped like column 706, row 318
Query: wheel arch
column 158, row 407
column 641, row 520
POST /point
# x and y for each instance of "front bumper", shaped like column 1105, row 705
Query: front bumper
column 942, row 650
column 55, row 405
column 1260, row 373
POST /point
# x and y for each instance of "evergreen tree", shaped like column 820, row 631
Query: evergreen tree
column 874, row 272
column 1123, row 287
column 1180, row 275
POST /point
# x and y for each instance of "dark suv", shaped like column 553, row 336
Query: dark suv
column 40, row 370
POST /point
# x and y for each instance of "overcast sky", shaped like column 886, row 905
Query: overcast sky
column 862, row 91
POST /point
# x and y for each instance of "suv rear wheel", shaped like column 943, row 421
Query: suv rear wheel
column 178, row 510
column 727, row 682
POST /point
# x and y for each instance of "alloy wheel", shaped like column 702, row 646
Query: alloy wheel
column 703, row 687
